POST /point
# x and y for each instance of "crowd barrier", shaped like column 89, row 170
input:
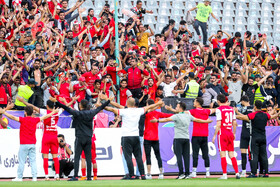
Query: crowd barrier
column 108, row 150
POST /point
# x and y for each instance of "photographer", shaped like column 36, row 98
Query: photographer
column 270, row 90
column 64, row 152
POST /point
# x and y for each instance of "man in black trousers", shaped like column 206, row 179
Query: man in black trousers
column 258, row 137
column 82, row 122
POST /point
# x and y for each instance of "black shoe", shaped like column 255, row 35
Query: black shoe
column 143, row 177
column 265, row 176
column 132, row 178
column 89, row 179
column 252, row 176
column 137, row 177
column 126, row 177
column 73, row 179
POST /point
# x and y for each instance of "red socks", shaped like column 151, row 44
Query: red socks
column 46, row 166
column 224, row 164
column 234, row 164
column 95, row 172
column 56, row 165
column 83, row 172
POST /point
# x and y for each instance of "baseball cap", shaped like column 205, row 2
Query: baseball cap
column 32, row 81
column 258, row 76
column 191, row 75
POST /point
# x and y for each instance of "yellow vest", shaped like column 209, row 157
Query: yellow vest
column 25, row 92
column 258, row 95
column 193, row 90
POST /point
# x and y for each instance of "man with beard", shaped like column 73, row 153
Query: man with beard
column 250, row 88
column 70, row 41
column 37, row 73
column 234, row 86
column 218, row 42
column 5, row 91
column 49, row 89
column 216, row 86
column 90, row 16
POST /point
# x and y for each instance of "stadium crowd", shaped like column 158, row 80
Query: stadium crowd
column 48, row 50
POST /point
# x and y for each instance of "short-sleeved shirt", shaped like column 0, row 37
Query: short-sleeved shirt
column 181, row 125
column 27, row 130
column 235, row 88
column 168, row 88
column 50, row 124
column 70, row 42
column 203, row 12
column 259, row 120
column 226, row 115
column 130, row 120
column 200, row 129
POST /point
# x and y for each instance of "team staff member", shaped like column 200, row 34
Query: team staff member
column 258, row 138
column 26, row 92
column 245, row 133
column 82, row 122
column 203, row 11
column 226, row 119
column 199, row 135
column 130, row 133
column 181, row 142
column 151, row 139
column 27, row 137
column 49, row 140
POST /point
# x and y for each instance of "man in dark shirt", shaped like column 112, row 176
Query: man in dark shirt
column 82, row 122
column 216, row 86
column 258, row 137
column 245, row 133
column 250, row 88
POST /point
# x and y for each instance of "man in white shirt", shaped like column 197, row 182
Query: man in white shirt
column 130, row 133
column 169, row 86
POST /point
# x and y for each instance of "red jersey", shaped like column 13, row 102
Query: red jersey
column 219, row 44
column 90, row 78
column 112, row 71
column 27, row 130
column 5, row 90
column 80, row 91
column 50, row 124
column 226, row 115
column 124, row 95
column 200, row 129
column 64, row 89
column 152, row 92
column 151, row 129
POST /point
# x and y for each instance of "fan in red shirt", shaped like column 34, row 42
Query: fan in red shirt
column 81, row 89
column 124, row 92
column 27, row 136
column 226, row 119
column 152, row 88
column 218, row 42
column 112, row 69
column 90, row 16
column 200, row 135
column 5, row 91
column 64, row 87
column 92, row 76
column 151, row 139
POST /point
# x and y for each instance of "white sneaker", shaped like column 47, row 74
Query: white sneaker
column 149, row 177
column 17, row 180
column 243, row 174
column 34, row 179
column 192, row 175
column 224, row 177
column 207, row 175
column 181, row 176
column 187, row 177
column 160, row 176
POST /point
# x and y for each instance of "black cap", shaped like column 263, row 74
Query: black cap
column 191, row 75
column 195, row 43
column 258, row 76
column 207, row 68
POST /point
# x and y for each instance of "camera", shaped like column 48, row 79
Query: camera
column 61, row 141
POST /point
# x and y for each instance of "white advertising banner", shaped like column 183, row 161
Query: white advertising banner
column 108, row 150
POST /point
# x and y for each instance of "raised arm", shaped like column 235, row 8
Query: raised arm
column 3, row 111
column 49, row 115
column 202, row 121
column 69, row 110
column 161, row 120
column 28, row 104
column 153, row 106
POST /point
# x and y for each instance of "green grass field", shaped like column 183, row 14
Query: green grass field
column 269, row 182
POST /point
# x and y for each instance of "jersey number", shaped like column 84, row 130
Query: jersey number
column 228, row 117
column 52, row 121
